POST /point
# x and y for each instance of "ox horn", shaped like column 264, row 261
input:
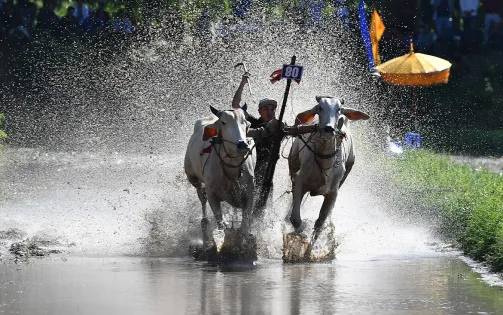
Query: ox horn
column 215, row 111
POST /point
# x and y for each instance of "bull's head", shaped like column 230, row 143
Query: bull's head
column 232, row 126
column 329, row 111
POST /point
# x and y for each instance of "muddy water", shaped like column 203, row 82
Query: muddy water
column 124, row 221
column 439, row 284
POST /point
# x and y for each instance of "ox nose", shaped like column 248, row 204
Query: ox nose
column 329, row 129
column 242, row 145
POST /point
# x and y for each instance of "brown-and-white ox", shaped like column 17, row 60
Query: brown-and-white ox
column 320, row 162
column 220, row 163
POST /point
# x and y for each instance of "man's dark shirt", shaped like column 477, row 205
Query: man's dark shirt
column 262, row 145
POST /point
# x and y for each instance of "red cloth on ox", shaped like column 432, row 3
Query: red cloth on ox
column 206, row 150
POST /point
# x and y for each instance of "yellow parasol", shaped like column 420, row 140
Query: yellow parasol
column 415, row 69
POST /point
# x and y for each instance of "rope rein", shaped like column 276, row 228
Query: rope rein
column 246, row 156
column 323, row 156
column 339, row 136
column 206, row 162
column 297, row 154
column 220, row 140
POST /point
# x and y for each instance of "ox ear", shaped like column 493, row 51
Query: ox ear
column 353, row 114
column 244, row 107
column 215, row 111
column 209, row 131
column 305, row 117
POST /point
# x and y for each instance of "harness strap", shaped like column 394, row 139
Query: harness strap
column 247, row 155
column 340, row 135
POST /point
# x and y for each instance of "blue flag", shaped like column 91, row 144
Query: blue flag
column 242, row 7
column 364, row 30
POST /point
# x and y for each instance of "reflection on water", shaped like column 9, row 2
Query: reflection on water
column 419, row 285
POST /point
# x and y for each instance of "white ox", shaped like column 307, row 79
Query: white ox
column 222, row 170
column 320, row 162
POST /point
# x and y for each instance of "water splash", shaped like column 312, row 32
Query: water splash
column 108, row 176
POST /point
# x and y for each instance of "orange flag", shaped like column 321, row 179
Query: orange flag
column 376, row 31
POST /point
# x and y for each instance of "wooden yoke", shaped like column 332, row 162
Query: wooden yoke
column 300, row 130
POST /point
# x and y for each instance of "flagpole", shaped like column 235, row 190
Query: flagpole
column 285, row 95
column 276, row 143
column 271, row 166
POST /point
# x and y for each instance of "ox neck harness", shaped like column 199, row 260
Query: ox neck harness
column 218, row 143
column 339, row 136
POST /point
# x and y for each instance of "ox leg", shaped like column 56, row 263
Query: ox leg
column 205, row 223
column 247, row 216
column 216, row 207
column 295, row 219
column 326, row 209
column 248, row 209
column 201, row 193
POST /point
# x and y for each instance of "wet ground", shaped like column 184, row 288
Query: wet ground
column 435, row 284
column 108, row 233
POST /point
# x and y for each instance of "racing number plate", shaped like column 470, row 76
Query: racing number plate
column 293, row 72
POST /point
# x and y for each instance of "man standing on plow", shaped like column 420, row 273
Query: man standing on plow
column 269, row 123
column 274, row 131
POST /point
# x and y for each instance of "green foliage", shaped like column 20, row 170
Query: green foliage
column 467, row 141
column 142, row 8
column 468, row 202
column 471, row 99
column 3, row 135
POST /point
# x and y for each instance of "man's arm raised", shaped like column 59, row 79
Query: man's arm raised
column 239, row 92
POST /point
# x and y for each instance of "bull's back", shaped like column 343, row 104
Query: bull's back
column 193, row 158
column 201, row 123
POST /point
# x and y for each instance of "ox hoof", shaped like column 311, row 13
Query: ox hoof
column 298, row 225
column 222, row 225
